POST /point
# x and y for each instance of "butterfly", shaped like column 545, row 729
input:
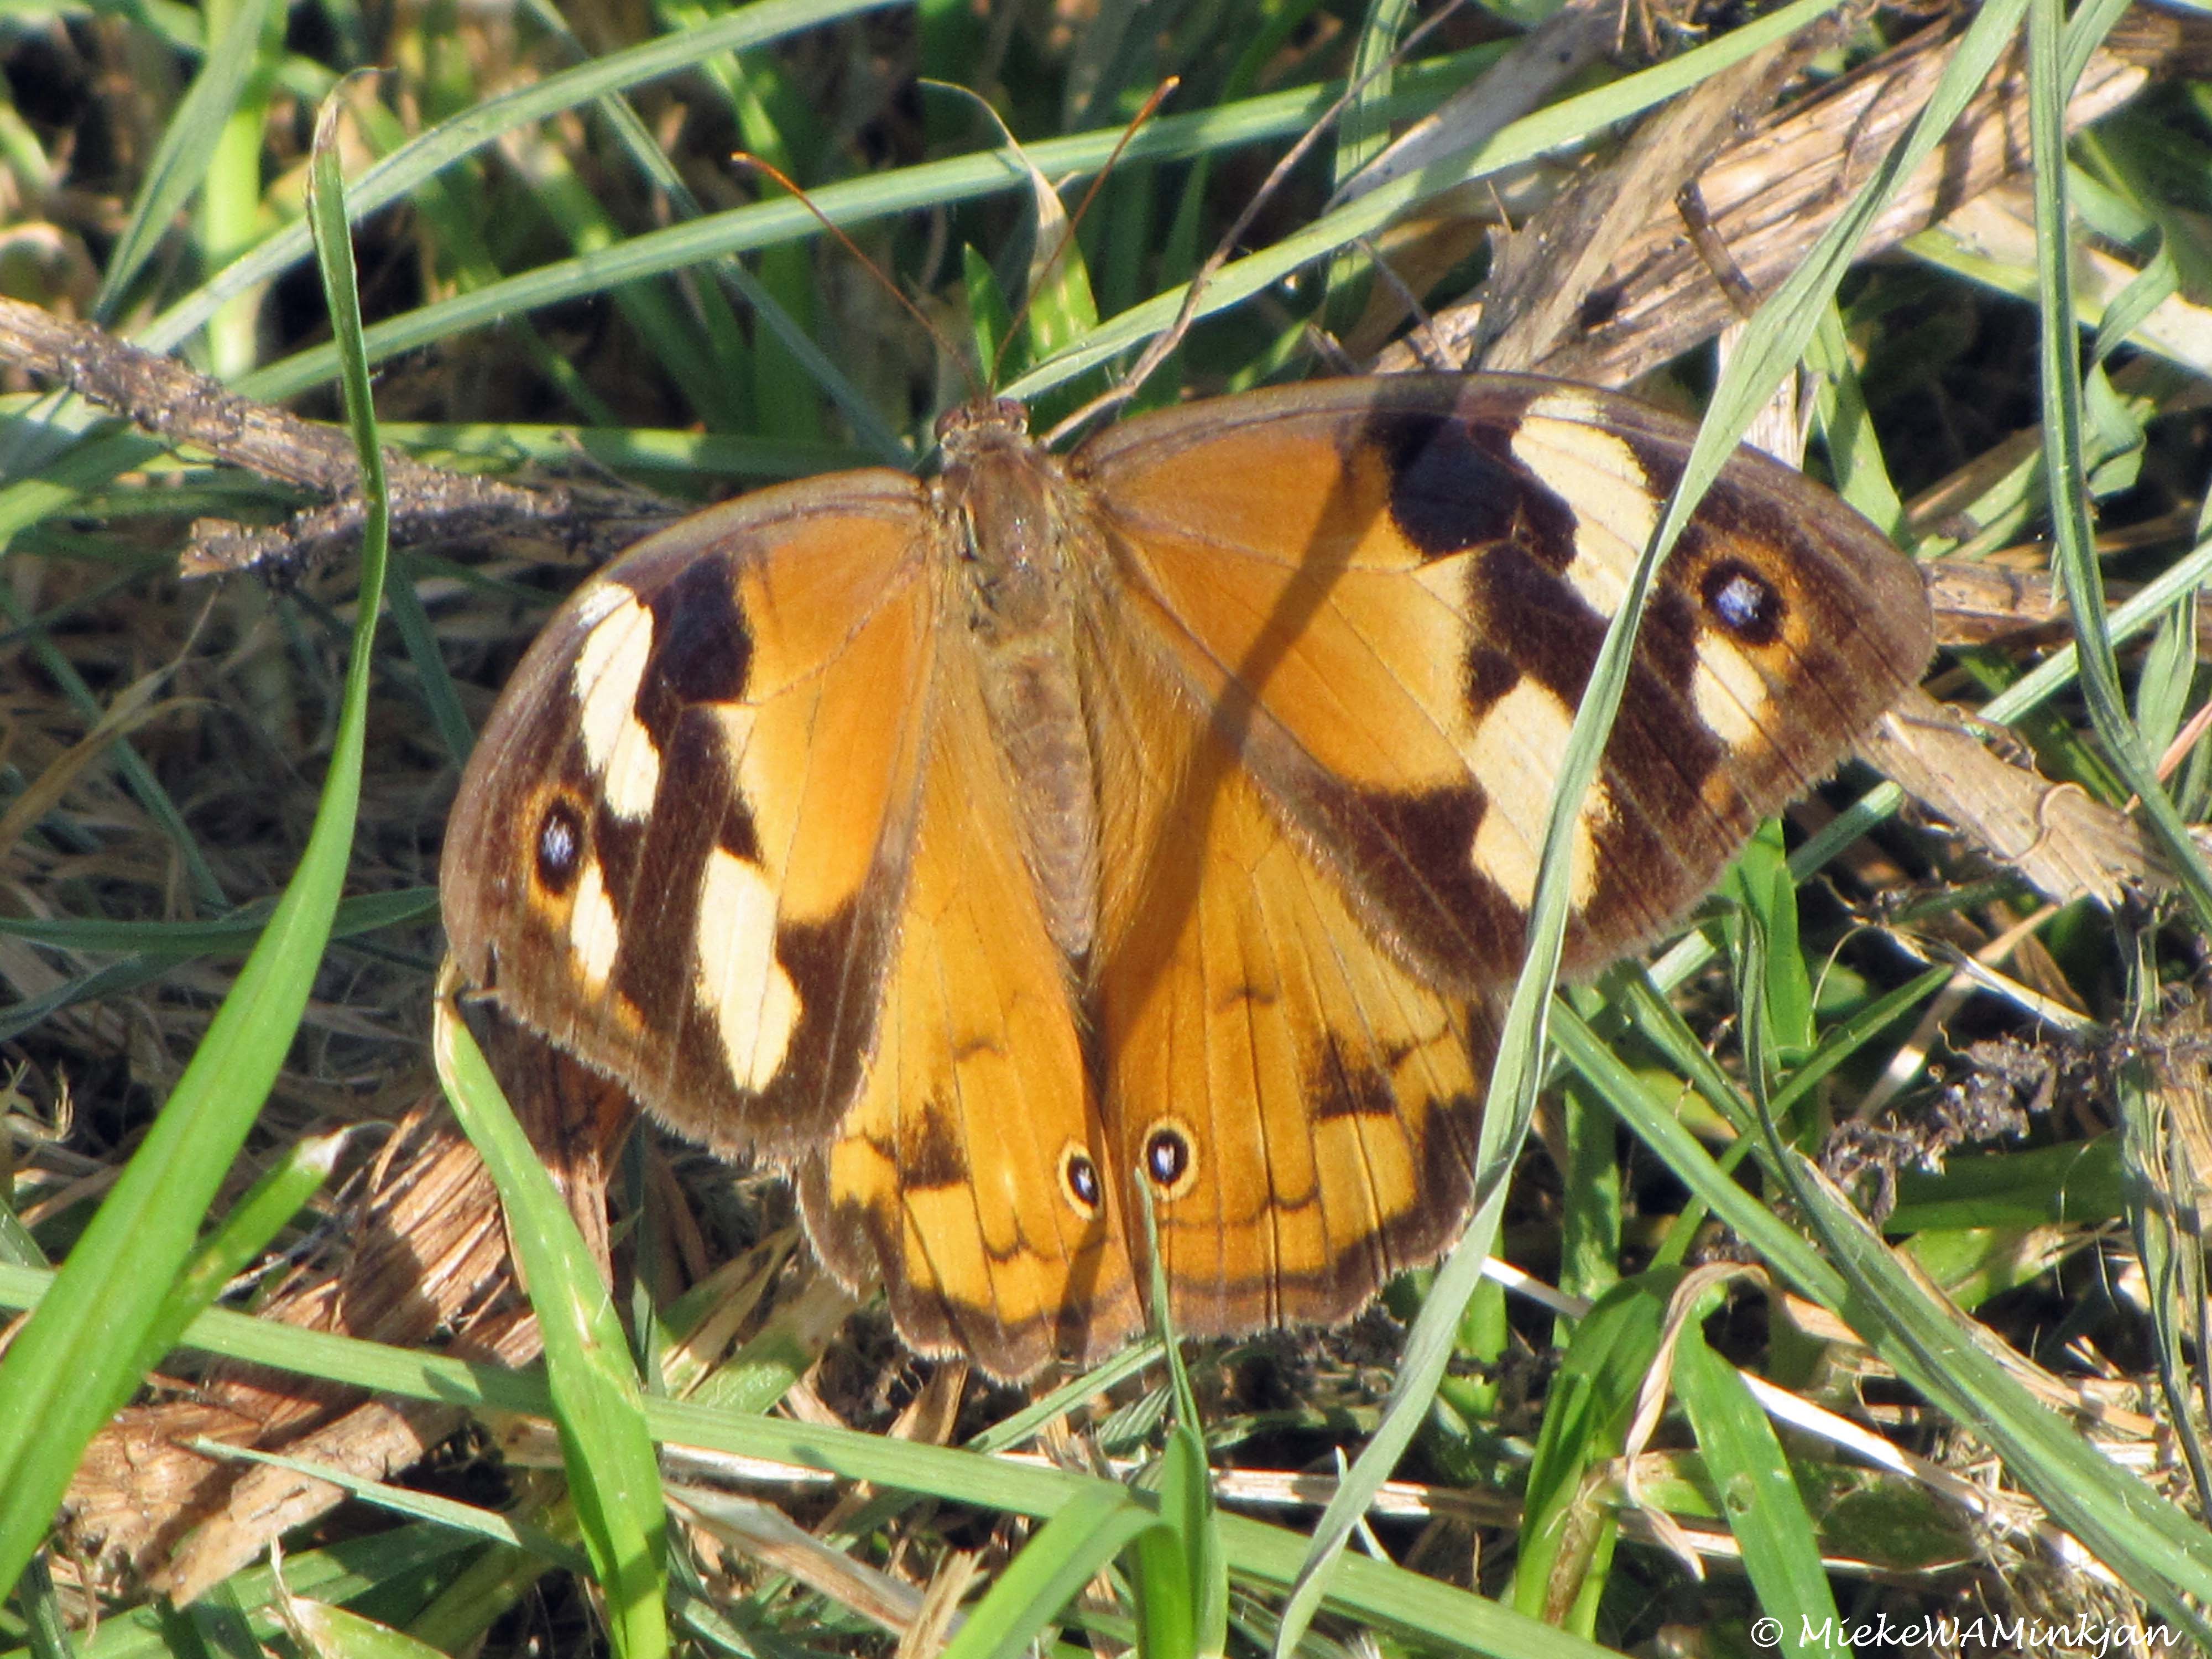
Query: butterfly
column 975, row 849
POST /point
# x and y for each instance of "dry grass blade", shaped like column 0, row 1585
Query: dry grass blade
column 1542, row 277
column 1771, row 193
column 767, row 1536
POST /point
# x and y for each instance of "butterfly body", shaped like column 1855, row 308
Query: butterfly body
column 1008, row 508
column 1166, row 813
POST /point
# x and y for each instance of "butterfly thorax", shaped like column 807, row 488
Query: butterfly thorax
column 1014, row 522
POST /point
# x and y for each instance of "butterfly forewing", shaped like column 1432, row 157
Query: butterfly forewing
column 680, row 845
column 1402, row 639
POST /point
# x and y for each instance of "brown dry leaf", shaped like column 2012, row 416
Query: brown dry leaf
column 420, row 1251
column 2064, row 844
column 375, row 1442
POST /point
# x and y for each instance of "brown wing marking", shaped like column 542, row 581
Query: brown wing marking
column 971, row 1170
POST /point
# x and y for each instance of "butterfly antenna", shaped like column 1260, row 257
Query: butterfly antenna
column 1158, row 351
column 1151, row 106
column 1427, row 343
column 746, row 158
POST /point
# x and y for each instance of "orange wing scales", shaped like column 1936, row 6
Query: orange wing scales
column 1302, row 1107
column 694, row 790
column 951, row 1174
column 973, row 850
column 1405, row 635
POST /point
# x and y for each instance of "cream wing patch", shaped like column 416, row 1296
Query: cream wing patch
column 740, row 983
column 594, row 933
column 1514, row 755
column 1615, row 511
column 1729, row 690
column 609, row 668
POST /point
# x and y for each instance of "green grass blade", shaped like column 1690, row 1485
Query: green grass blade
column 1766, row 892
column 272, row 1202
column 76, row 1361
column 1370, row 1591
column 1764, row 1508
column 1088, row 1530
column 485, row 1525
column 614, row 1477
column 1363, row 131
column 1586, row 1417
column 43, row 1613
column 365, row 912
column 1566, row 123
column 2160, row 1554
column 1182, row 1587
column 412, row 623
column 1172, row 1560
column 188, row 144
column 2065, row 458
column 937, row 185
column 399, row 172
column 347, row 1571
column 320, row 1630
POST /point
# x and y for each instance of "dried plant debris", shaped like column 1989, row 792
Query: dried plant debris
column 1769, row 194
column 2060, row 840
column 2003, row 1084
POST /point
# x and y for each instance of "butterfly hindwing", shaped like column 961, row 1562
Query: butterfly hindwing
column 680, row 847
column 1304, row 1109
column 1402, row 641
column 970, row 1171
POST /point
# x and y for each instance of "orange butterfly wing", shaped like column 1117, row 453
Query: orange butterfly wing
column 756, row 832
column 1351, row 624
column 1397, row 586
column 679, row 845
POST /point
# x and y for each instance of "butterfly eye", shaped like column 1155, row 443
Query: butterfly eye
column 1079, row 1179
column 1743, row 602
column 560, row 846
column 1168, row 1159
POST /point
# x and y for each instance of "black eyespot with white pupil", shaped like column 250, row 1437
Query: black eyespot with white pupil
column 1167, row 1157
column 1078, row 1180
column 560, row 846
column 1743, row 602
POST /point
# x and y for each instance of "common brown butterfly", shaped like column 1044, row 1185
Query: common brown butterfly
column 1168, row 812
